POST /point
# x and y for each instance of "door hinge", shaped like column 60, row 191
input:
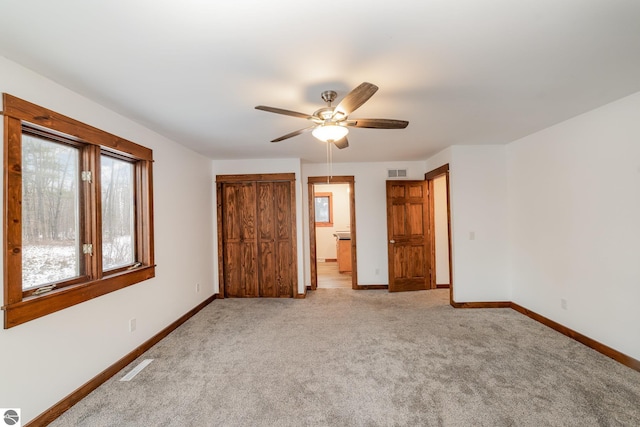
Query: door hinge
column 87, row 176
column 87, row 249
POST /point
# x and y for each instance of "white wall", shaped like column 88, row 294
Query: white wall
column 574, row 223
column 477, row 177
column 325, row 240
column 478, row 201
column 371, row 213
column 441, row 230
column 44, row 360
column 257, row 166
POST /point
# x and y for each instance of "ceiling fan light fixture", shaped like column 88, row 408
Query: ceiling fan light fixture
column 330, row 133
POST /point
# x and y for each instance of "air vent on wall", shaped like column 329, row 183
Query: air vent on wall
column 396, row 173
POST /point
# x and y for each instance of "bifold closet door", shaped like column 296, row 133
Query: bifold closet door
column 274, row 240
column 239, row 240
column 258, row 239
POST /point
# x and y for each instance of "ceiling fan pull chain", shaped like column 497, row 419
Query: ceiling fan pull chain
column 329, row 144
column 328, row 163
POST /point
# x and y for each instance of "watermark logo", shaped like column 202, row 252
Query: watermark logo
column 10, row 417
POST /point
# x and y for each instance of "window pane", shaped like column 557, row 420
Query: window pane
column 322, row 209
column 50, row 212
column 118, row 219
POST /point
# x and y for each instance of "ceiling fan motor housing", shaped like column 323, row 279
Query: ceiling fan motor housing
column 329, row 96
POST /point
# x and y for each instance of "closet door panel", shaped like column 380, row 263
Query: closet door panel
column 267, row 254
column 239, row 239
column 284, row 276
column 267, row 277
column 282, row 215
column 284, row 239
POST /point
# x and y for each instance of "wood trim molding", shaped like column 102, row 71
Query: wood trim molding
column 431, row 224
column 219, row 237
column 369, row 287
column 256, row 177
column 312, row 237
column 487, row 304
column 62, row 406
column 330, row 180
column 583, row 339
column 437, row 172
column 28, row 112
column 442, row 286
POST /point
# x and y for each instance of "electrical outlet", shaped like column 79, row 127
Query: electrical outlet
column 563, row 303
column 132, row 325
column 197, row 287
column 472, row 235
column 377, row 271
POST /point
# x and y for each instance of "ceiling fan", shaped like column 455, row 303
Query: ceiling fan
column 330, row 124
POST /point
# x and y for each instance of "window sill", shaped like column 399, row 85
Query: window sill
column 37, row 306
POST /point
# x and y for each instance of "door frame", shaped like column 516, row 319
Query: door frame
column 312, row 226
column 265, row 177
column 429, row 177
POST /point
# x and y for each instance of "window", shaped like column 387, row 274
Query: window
column 78, row 212
column 323, row 209
column 118, row 231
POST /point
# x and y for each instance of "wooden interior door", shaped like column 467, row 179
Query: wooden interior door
column 407, row 232
column 239, row 239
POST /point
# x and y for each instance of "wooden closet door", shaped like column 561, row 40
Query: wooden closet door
column 239, row 240
column 274, row 240
column 257, row 235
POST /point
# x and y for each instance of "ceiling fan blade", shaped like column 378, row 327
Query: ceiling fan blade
column 292, row 134
column 342, row 143
column 378, row 123
column 282, row 111
column 355, row 99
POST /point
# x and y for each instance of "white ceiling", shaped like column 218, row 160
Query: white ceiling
column 460, row 71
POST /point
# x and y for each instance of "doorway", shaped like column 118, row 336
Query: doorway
column 440, row 228
column 332, row 238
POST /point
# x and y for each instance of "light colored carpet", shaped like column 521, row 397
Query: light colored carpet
column 365, row 358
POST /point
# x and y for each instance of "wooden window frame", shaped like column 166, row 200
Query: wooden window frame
column 24, row 117
column 330, row 197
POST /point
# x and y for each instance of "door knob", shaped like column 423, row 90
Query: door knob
column 392, row 241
